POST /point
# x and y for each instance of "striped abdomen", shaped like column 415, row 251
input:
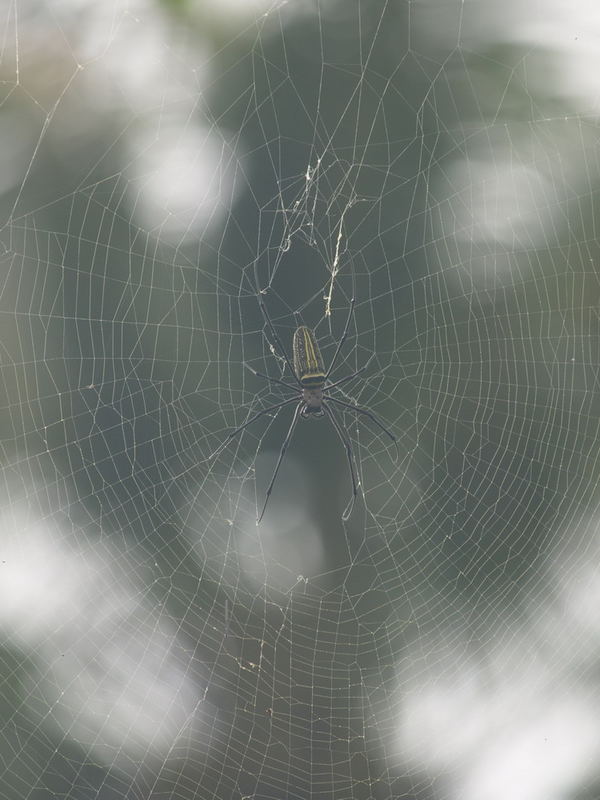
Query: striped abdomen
column 308, row 362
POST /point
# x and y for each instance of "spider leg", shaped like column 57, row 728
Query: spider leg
column 370, row 415
column 269, row 378
column 346, row 442
column 342, row 340
column 235, row 432
column 284, row 447
column 277, row 341
column 354, row 374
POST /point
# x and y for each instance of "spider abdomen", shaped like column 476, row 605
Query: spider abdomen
column 308, row 362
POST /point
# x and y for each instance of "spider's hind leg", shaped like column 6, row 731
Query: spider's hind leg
column 349, row 455
column 284, row 447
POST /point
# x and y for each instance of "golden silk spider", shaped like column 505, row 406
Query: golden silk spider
column 311, row 377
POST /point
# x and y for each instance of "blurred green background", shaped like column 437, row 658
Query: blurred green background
column 167, row 166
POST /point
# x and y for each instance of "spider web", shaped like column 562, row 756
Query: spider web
column 165, row 169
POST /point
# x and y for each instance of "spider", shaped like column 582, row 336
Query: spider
column 311, row 378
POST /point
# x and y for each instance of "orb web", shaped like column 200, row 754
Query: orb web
column 169, row 168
